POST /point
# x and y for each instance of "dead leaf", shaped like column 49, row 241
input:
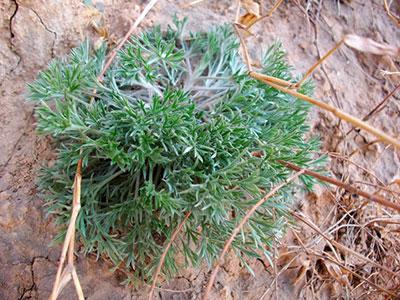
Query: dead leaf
column 330, row 290
column 247, row 19
column 395, row 18
column 102, row 31
column 336, row 272
column 96, row 21
column 92, row 13
column 370, row 46
column 395, row 181
column 252, row 7
column 253, row 13
column 285, row 257
column 301, row 273
column 258, row 154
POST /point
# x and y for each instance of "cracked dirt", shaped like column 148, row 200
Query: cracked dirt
column 34, row 32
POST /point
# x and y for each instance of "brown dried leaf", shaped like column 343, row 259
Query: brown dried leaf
column 247, row 19
column 102, row 31
column 336, row 272
column 395, row 18
column 258, row 154
column 91, row 13
column 96, row 21
column 253, row 12
column 395, row 181
column 330, row 290
column 285, row 258
column 301, row 273
column 370, row 46
column 252, row 7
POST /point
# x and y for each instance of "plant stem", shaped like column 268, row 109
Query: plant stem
column 337, row 112
column 161, row 263
column 375, row 198
column 240, row 226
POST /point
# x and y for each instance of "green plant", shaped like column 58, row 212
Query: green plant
column 176, row 126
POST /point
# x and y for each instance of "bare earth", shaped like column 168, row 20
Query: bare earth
column 34, row 32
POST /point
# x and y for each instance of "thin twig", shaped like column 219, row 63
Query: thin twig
column 274, row 8
column 77, row 284
column 310, row 224
column 284, row 268
column 61, row 277
column 390, row 220
column 192, row 3
column 237, row 16
column 389, row 73
column 237, row 229
column 378, row 107
column 162, row 259
column 374, row 198
column 322, row 256
column 379, row 187
column 395, row 19
column 285, row 86
column 270, row 12
column 243, row 45
column 337, row 112
column 141, row 17
column 345, row 158
column 309, row 72
column 170, row 290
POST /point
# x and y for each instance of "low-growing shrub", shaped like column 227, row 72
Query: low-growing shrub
column 173, row 128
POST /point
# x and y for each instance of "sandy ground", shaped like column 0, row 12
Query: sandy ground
column 34, row 32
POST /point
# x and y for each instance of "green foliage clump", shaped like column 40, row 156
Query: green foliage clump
column 170, row 130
